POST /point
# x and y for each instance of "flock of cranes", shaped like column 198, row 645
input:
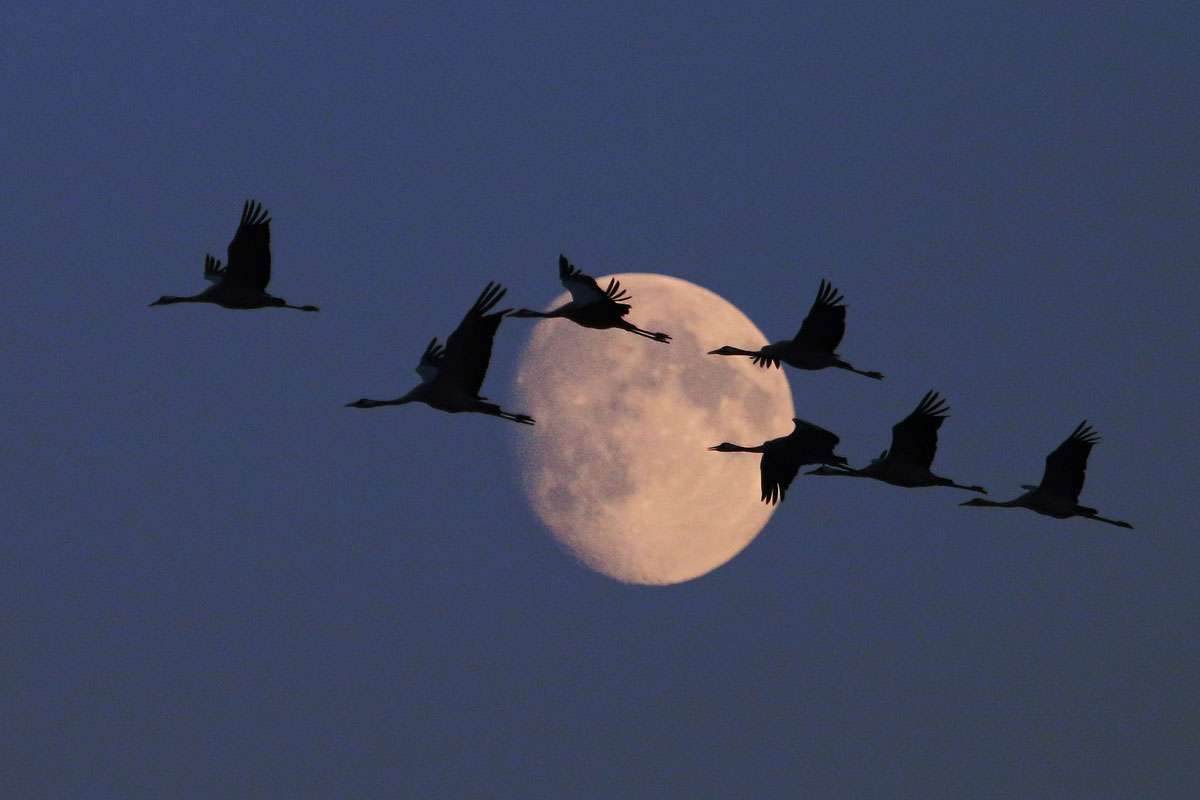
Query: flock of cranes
column 452, row 376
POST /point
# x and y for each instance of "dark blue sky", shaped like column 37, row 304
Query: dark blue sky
column 218, row 582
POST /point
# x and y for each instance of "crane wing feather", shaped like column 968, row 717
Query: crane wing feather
column 583, row 287
column 1066, row 467
column 813, row 436
column 249, row 253
column 431, row 361
column 825, row 324
column 213, row 271
column 915, row 438
column 615, row 293
column 469, row 349
column 776, row 474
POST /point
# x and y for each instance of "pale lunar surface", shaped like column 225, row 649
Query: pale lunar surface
column 616, row 466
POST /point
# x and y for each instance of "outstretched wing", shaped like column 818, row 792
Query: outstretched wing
column 614, row 291
column 213, row 271
column 583, row 288
column 249, row 255
column 915, row 438
column 776, row 473
column 431, row 361
column 814, row 437
column 1067, row 465
column 825, row 324
column 469, row 349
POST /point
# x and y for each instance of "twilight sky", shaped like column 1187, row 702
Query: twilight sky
column 218, row 582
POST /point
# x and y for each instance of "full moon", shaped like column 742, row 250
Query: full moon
column 616, row 466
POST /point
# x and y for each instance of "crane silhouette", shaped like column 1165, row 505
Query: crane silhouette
column 1058, row 493
column 914, row 444
column 591, row 306
column 451, row 375
column 782, row 458
column 814, row 346
column 242, row 283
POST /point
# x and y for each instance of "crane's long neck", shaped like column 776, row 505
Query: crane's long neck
column 529, row 312
column 729, row 447
column 412, row 396
column 979, row 501
column 842, row 470
column 168, row 299
column 365, row 403
column 727, row 350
